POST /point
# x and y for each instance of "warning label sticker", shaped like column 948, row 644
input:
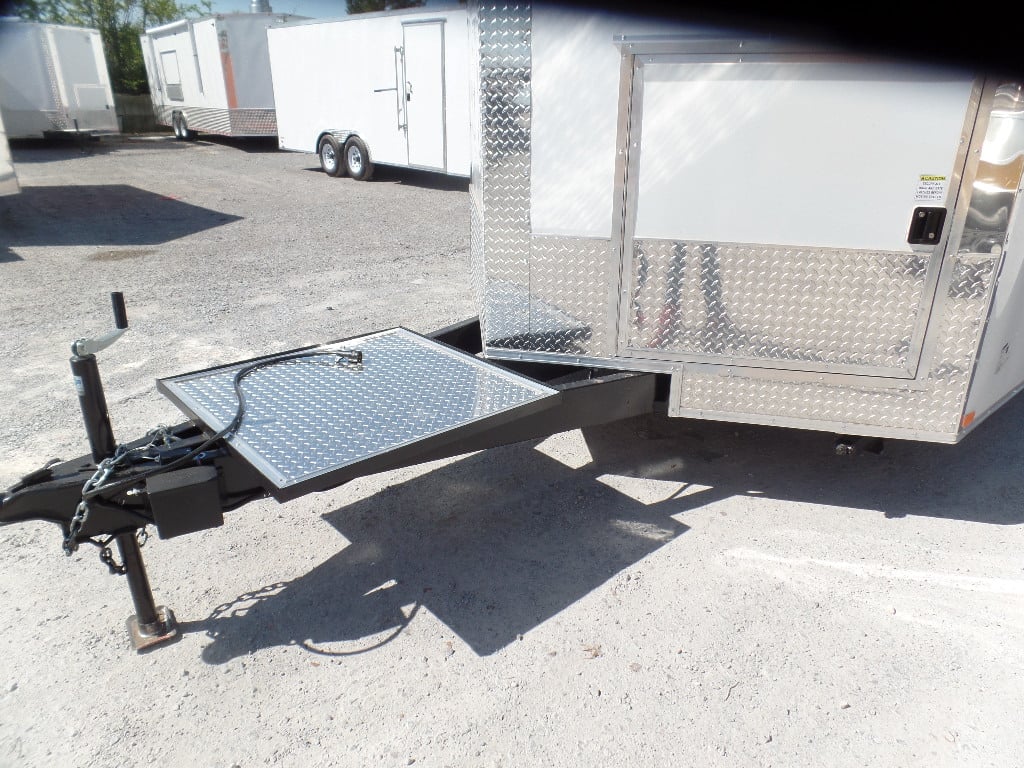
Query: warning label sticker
column 930, row 189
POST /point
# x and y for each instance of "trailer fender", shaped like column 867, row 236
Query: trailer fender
column 339, row 136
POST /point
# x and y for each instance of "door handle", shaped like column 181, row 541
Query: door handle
column 926, row 226
column 408, row 91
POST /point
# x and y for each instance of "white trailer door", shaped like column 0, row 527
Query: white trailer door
column 424, row 93
column 770, row 209
column 81, row 78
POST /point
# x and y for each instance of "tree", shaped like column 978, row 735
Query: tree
column 367, row 6
column 120, row 23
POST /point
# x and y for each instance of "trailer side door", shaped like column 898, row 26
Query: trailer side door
column 423, row 92
column 788, row 211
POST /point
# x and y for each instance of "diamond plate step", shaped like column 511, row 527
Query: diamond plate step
column 311, row 424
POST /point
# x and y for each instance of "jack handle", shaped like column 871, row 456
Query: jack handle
column 83, row 347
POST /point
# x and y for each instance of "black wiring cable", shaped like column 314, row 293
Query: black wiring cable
column 350, row 356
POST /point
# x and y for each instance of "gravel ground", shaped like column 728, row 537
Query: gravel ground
column 650, row 593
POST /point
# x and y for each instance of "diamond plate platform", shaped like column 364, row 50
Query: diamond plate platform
column 312, row 424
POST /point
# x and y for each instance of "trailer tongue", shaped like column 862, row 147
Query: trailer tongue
column 294, row 423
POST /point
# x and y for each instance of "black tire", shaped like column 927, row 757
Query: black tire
column 330, row 156
column 176, row 126
column 357, row 159
column 186, row 133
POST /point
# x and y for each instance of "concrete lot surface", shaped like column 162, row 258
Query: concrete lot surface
column 650, row 593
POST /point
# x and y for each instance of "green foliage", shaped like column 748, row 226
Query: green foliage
column 120, row 23
column 367, row 6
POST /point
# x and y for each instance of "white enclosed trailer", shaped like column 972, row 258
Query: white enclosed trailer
column 795, row 236
column 213, row 74
column 724, row 227
column 386, row 88
column 53, row 79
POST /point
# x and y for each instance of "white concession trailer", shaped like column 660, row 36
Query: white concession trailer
column 212, row 74
column 388, row 88
column 53, row 80
column 794, row 236
column 663, row 219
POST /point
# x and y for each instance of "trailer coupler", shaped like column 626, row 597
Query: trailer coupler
column 111, row 504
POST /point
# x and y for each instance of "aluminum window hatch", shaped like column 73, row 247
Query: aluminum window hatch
column 312, row 423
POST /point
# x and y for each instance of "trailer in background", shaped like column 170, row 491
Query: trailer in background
column 213, row 74
column 53, row 80
column 387, row 88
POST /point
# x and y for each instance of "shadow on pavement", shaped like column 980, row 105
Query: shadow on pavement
column 409, row 177
column 493, row 545
column 114, row 214
column 258, row 145
column 498, row 542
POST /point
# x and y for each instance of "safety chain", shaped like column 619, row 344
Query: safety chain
column 81, row 515
column 107, row 555
column 161, row 435
column 107, row 558
column 103, row 471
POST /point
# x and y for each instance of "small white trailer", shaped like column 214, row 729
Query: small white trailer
column 53, row 80
column 212, row 74
column 388, row 88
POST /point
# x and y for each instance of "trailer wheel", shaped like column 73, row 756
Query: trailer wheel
column 176, row 126
column 330, row 156
column 357, row 159
column 186, row 133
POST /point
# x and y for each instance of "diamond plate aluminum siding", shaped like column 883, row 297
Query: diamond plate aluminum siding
column 929, row 410
column 837, row 307
column 501, row 194
column 828, row 310
column 224, row 122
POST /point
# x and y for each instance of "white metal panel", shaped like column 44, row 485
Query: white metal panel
column 424, row 93
column 152, row 76
column 177, row 67
column 189, row 53
column 338, row 75
column 8, row 176
column 341, row 75
column 795, row 153
column 575, row 108
column 84, row 79
column 54, row 77
column 26, row 89
column 250, row 62
column 458, row 146
column 210, row 64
